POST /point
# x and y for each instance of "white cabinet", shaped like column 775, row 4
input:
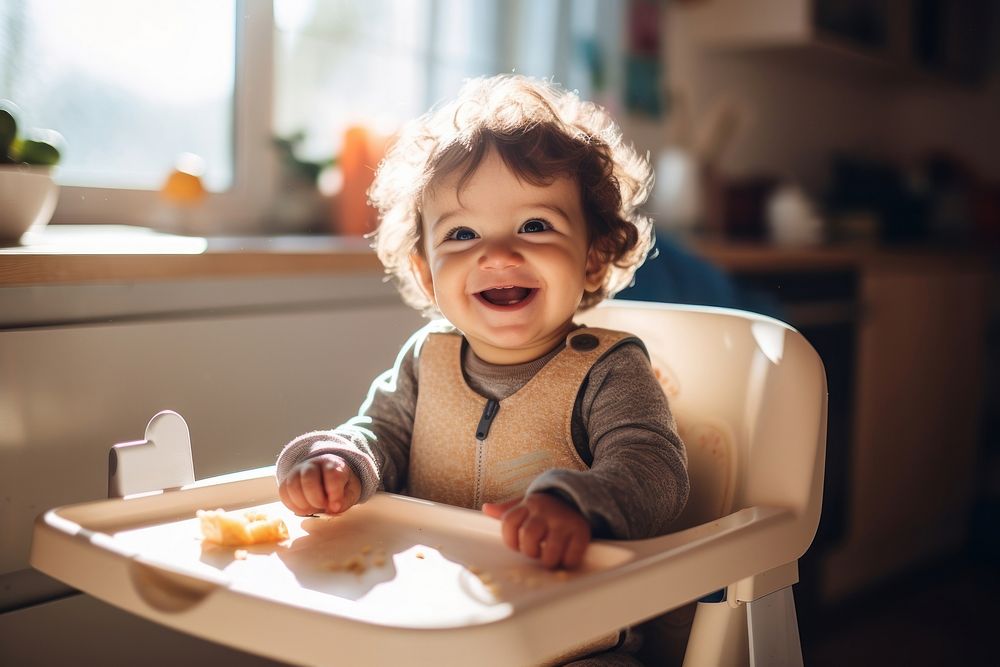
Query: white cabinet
column 249, row 364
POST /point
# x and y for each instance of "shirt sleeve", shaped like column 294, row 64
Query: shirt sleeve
column 376, row 442
column 638, row 481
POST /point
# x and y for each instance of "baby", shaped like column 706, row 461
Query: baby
column 507, row 212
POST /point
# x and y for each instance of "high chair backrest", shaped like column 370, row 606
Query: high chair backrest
column 749, row 395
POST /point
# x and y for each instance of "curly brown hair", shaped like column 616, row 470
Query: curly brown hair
column 541, row 132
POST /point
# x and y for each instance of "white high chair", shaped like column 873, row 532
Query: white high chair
column 749, row 395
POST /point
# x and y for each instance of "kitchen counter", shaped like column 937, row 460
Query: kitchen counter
column 744, row 257
column 64, row 254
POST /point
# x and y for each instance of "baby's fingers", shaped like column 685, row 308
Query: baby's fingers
column 312, row 487
column 575, row 548
column 533, row 531
column 554, row 548
column 292, row 490
column 293, row 500
column 510, row 527
column 336, row 477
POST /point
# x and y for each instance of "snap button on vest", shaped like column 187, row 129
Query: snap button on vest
column 584, row 342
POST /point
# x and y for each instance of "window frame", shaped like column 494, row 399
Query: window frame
column 244, row 207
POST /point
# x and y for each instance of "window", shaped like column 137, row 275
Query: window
column 412, row 54
column 135, row 69
column 134, row 84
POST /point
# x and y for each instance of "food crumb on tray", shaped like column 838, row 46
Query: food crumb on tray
column 231, row 529
column 358, row 563
column 355, row 564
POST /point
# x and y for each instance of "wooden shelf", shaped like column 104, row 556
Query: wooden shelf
column 97, row 253
column 742, row 257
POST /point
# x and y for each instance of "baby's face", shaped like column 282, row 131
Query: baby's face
column 506, row 261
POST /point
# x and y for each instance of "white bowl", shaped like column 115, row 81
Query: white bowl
column 28, row 197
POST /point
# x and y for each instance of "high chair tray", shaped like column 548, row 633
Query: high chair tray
column 394, row 581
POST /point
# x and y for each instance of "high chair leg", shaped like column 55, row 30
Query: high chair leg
column 774, row 630
column 718, row 636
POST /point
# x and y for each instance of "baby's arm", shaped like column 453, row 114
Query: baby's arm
column 543, row 526
column 638, row 481
column 374, row 445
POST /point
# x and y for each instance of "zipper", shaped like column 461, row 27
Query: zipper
column 482, row 431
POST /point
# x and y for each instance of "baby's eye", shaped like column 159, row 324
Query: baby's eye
column 460, row 234
column 535, row 225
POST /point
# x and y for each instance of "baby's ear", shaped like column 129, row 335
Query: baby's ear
column 422, row 273
column 595, row 271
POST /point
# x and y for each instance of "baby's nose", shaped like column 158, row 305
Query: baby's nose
column 499, row 255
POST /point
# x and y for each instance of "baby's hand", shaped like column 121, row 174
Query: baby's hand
column 543, row 526
column 321, row 484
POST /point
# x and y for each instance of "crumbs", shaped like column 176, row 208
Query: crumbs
column 358, row 563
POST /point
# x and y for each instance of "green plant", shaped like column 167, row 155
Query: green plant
column 309, row 170
column 40, row 149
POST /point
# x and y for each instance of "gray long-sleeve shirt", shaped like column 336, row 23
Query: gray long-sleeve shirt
column 622, row 426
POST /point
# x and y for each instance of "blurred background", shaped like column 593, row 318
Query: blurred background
column 834, row 163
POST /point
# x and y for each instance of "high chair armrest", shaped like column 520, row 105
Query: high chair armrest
column 670, row 571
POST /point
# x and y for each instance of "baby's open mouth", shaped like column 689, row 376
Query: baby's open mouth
column 506, row 296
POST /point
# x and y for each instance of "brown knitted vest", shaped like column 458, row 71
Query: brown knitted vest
column 467, row 451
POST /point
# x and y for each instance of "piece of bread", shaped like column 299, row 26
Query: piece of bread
column 232, row 530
